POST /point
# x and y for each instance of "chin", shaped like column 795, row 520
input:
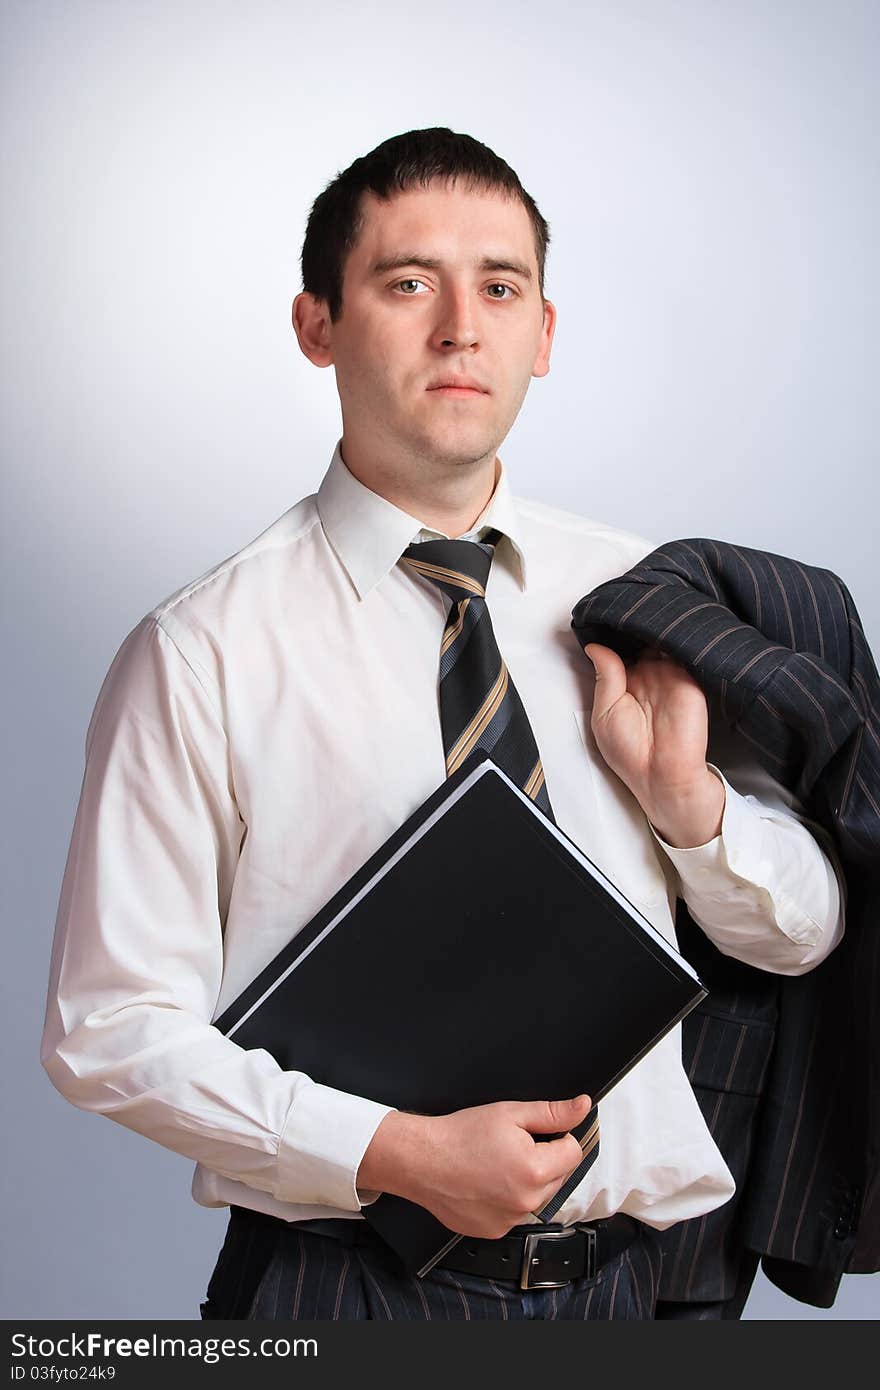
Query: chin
column 461, row 454
column 464, row 446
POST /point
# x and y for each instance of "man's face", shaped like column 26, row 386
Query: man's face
column 441, row 286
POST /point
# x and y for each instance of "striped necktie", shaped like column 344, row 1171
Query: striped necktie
column 480, row 706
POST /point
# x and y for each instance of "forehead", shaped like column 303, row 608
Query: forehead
column 444, row 220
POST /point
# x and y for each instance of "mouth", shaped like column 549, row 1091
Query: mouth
column 458, row 386
column 463, row 391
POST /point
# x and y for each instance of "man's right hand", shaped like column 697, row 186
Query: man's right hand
column 479, row 1171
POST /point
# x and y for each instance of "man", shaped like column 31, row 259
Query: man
column 262, row 731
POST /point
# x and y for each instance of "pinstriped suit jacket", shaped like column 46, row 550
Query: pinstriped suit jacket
column 786, row 1069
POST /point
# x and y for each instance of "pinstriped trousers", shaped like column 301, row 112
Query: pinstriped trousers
column 282, row 1273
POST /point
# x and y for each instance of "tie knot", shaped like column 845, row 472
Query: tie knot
column 459, row 568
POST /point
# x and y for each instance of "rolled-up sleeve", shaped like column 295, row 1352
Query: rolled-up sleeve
column 769, row 888
column 137, row 958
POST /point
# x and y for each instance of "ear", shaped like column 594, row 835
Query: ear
column 311, row 324
column 542, row 360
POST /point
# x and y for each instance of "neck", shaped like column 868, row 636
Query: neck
column 450, row 503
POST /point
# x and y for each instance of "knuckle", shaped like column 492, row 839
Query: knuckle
column 536, row 1169
column 544, row 1172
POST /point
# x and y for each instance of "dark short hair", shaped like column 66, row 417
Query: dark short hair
column 413, row 159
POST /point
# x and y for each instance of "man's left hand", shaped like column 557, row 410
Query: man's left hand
column 650, row 721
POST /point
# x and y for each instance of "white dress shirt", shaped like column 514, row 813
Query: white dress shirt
column 258, row 736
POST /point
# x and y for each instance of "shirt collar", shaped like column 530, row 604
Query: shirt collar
column 369, row 534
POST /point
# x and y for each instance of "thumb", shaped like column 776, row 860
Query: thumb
column 551, row 1116
column 610, row 677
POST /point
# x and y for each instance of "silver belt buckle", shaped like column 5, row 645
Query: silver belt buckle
column 530, row 1257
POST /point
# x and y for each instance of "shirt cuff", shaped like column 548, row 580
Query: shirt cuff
column 734, row 862
column 324, row 1138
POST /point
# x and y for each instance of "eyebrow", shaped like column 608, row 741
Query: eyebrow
column 491, row 263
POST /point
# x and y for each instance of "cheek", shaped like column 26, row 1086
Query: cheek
column 388, row 362
column 367, row 372
column 513, row 388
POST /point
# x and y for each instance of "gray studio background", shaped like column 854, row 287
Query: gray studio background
column 709, row 171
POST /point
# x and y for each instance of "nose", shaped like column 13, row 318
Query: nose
column 455, row 325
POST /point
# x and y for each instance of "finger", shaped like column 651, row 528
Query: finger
column 550, row 1116
column 558, row 1158
column 610, row 677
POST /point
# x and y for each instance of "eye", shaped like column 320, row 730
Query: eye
column 402, row 284
column 499, row 286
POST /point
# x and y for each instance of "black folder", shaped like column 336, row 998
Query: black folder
column 477, row 956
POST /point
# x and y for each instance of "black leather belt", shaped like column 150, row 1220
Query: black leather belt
column 547, row 1256
column 536, row 1257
